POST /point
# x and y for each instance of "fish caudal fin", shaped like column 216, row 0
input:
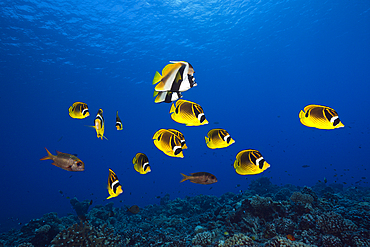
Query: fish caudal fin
column 184, row 177
column 207, row 139
column 301, row 114
column 157, row 78
column 49, row 157
column 173, row 108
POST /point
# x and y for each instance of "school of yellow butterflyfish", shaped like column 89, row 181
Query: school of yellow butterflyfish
column 178, row 77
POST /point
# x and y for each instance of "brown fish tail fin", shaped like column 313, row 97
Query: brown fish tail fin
column 49, row 157
column 184, row 177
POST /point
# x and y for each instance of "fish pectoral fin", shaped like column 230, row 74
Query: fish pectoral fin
column 91, row 126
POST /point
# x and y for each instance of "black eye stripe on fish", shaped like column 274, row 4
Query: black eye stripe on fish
column 227, row 138
column 98, row 116
column 333, row 119
column 115, row 185
column 260, row 162
column 336, row 121
column 145, row 166
column 201, row 117
column 177, row 150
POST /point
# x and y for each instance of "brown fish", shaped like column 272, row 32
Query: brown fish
column 65, row 161
column 134, row 209
column 200, row 178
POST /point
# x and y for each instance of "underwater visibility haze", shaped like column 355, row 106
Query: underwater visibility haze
column 256, row 65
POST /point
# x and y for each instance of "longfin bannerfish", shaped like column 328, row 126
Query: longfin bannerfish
column 166, row 97
column 187, row 112
column 199, row 178
column 168, row 143
column 181, row 136
column 65, row 161
column 114, row 187
column 99, row 124
column 79, row 110
column 141, row 163
column 176, row 76
column 218, row 138
column 250, row 162
column 119, row 124
column 320, row 117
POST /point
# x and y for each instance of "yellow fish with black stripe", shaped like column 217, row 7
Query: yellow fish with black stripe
column 99, row 125
column 187, row 112
column 250, row 162
column 114, row 187
column 119, row 124
column 218, row 138
column 176, row 76
column 168, row 143
column 320, row 117
column 141, row 163
column 79, row 110
column 181, row 136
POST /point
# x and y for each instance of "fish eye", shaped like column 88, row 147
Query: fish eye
column 336, row 122
column 178, row 150
column 79, row 163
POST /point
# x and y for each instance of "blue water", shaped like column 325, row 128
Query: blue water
column 257, row 64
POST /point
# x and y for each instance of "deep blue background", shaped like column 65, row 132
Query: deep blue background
column 257, row 64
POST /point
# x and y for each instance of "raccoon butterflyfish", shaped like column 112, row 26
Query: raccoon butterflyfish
column 176, row 76
column 181, row 136
column 114, row 187
column 168, row 143
column 99, row 124
column 320, row 117
column 187, row 112
column 65, row 161
column 218, row 138
column 79, row 110
column 249, row 162
column 119, row 124
column 166, row 97
column 199, row 178
column 141, row 163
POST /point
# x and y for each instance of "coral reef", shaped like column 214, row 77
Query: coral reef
column 237, row 240
column 85, row 235
column 318, row 216
column 203, row 238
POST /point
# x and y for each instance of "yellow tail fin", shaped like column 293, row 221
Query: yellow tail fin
column 184, row 177
column 173, row 108
column 157, row 78
column 49, row 157
column 207, row 139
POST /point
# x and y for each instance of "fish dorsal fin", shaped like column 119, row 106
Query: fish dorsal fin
column 58, row 152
